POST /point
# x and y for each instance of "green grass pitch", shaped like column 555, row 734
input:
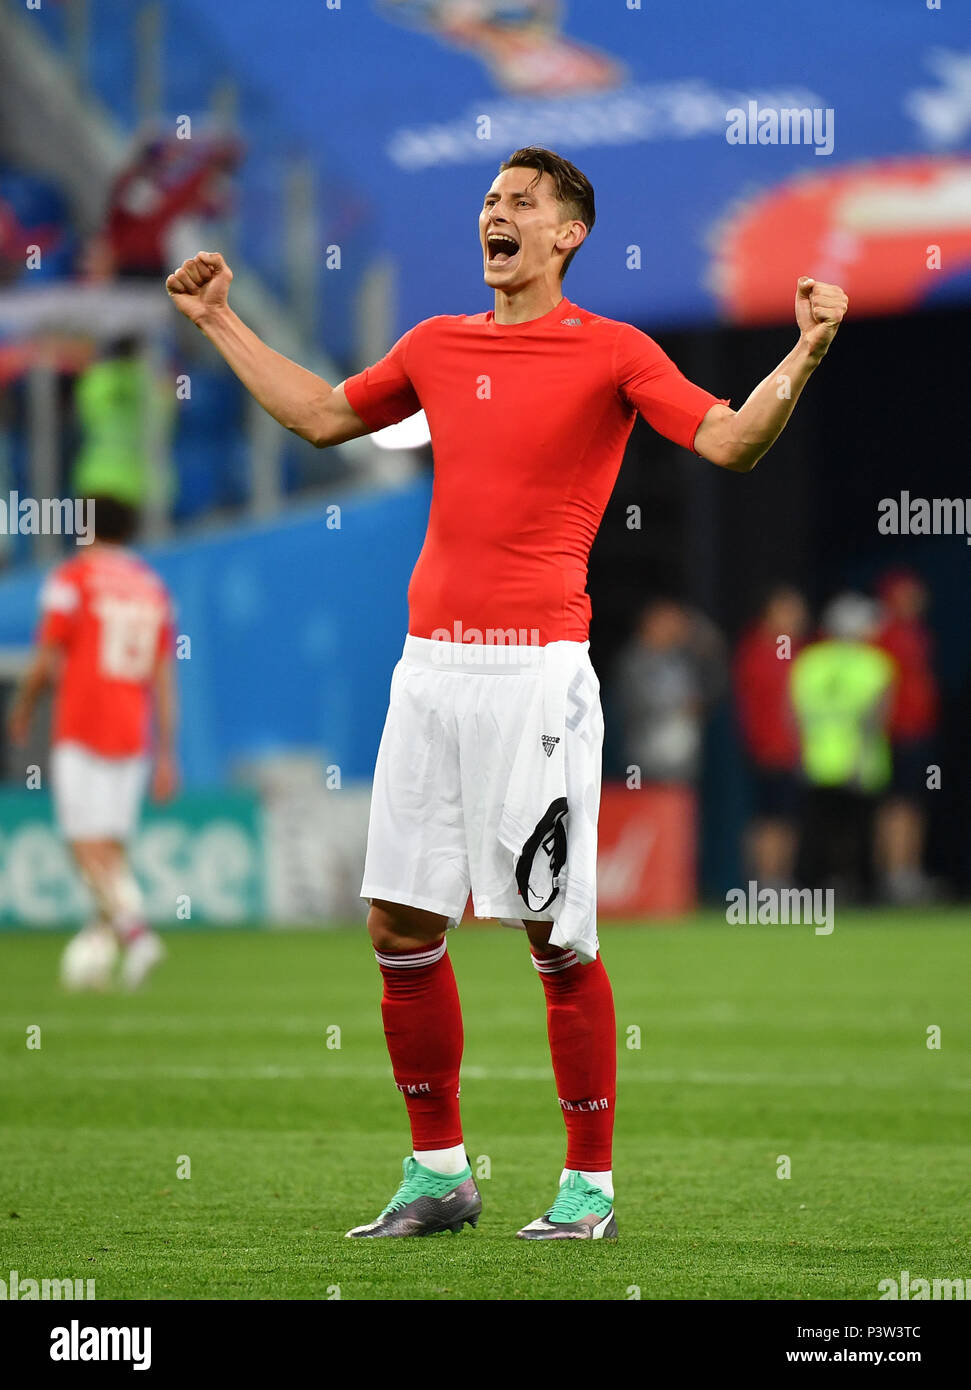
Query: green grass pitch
column 755, row 1042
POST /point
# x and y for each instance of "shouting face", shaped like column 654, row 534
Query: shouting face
column 524, row 231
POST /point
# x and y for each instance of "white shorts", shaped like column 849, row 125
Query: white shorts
column 443, row 768
column 96, row 798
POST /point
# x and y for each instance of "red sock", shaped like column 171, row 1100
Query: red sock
column 423, row 1027
column 583, row 1046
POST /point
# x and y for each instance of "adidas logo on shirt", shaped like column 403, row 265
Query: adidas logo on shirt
column 549, row 743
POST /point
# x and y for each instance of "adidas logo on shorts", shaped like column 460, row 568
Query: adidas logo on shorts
column 549, row 743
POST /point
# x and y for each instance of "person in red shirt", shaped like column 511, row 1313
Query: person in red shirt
column 763, row 665
column 488, row 774
column 168, row 179
column 105, row 646
column 914, row 717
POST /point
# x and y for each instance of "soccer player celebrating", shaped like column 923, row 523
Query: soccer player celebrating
column 488, row 774
column 104, row 644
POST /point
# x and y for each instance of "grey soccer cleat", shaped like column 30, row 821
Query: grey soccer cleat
column 427, row 1203
column 580, row 1212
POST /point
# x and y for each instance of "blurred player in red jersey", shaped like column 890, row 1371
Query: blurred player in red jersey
column 488, row 773
column 105, row 645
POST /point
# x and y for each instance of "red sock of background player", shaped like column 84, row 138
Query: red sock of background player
column 423, row 1028
column 583, row 1046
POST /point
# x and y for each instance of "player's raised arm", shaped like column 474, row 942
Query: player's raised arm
column 737, row 439
column 298, row 399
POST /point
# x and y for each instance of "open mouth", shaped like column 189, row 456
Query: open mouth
column 502, row 250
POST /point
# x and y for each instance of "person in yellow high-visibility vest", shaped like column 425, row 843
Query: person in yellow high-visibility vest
column 841, row 688
column 125, row 413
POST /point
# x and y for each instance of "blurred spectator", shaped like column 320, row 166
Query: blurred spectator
column 762, row 671
column 667, row 679
column 121, row 407
column 168, row 180
column 7, row 476
column 914, row 714
column 841, row 690
column 34, row 223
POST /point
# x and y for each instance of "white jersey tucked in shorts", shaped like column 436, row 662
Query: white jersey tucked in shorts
column 95, row 797
column 488, row 750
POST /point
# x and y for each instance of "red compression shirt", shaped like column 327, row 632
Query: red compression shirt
column 528, row 424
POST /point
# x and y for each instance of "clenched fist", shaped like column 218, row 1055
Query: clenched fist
column 200, row 285
column 820, row 309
